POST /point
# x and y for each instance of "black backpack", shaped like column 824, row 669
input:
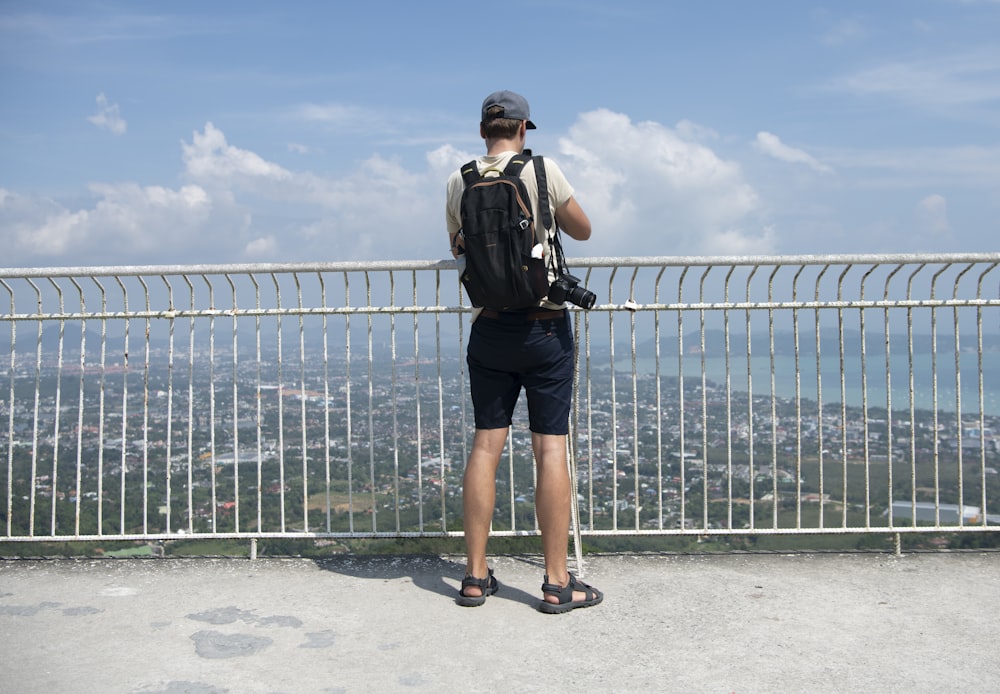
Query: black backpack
column 498, row 233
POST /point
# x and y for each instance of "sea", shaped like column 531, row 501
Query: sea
column 934, row 381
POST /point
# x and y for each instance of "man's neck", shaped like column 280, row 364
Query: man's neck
column 494, row 147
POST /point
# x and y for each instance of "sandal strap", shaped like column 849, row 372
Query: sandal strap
column 483, row 584
column 587, row 590
column 565, row 593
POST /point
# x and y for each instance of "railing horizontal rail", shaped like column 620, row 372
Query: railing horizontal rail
column 744, row 395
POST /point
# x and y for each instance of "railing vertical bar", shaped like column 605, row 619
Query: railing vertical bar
column 327, row 506
column 798, row 400
column 751, row 424
column 659, row 403
column 439, row 412
column 775, row 498
column 418, row 414
column 33, row 493
column 235, row 395
column 820, row 418
column 704, row 399
column 99, row 530
column 959, row 423
column 912, row 396
column 303, row 398
column 982, row 395
column 9, row 515
column 145, row 406
column 171, row 323
column 614, row 405
column 372, row 480
column 394, row 407
column 681, row 419
column 889, row 438
column 443, row 486
column 57, row 414
column 636, row 491
column 510, row 477
column 464, row 380
column 727, row 338
column 843, row 397
column 281, row 405
column 572, row 449
column 259, row 406
column 348, row 405
column 213, row 464
column 189, row 444
column 866, row 437
column 126, row 372
column 190, row 411
column 77, row 492
column 934, row 398
column 588, row 361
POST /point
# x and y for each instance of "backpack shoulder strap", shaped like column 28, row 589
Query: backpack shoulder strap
column 515, row 165
column 543, row 192
column 470, row 173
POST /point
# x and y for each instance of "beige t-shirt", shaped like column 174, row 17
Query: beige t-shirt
column 560, row 191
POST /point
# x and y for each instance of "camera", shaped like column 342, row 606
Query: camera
column 566, row 288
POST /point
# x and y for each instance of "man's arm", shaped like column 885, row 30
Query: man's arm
column 573, row 220
column 451, row 213
column 456, row 244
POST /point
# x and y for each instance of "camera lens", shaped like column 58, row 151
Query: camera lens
column 582, row 297
column 566, row 288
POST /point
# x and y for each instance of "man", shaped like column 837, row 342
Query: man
column 532, row 349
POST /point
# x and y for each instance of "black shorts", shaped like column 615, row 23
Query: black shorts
column 533, row 350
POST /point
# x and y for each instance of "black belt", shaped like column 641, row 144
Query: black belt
column 524, row 315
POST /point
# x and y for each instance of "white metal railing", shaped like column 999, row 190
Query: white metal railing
column 742, row 395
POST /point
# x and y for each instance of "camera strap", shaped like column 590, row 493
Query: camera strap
column 551, row 229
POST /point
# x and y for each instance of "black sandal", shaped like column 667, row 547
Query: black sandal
column 487, row 586
column 565, row 596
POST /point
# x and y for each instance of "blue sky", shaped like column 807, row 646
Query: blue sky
column 234, row 132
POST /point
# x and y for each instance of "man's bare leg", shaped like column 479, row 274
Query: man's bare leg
column 479, row 490
column 552, row 507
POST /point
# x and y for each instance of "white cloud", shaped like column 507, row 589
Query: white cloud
column 332, row 114
column 967, row 79
column 845, row 31
column 209, row 156
column 108, row 116
column 973, row 166
column 932, row 220
column 264, row 248
column 649, row 189
column 653, row 190
column 772, row 146
column 127, row 223
column 446, row 159
column 380, row 210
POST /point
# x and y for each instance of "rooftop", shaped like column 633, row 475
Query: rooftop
column 687, row 623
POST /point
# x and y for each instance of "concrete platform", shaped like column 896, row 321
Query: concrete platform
column 669, row 623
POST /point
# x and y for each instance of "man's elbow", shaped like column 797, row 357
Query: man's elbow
column 574, row 220
column 582, row 233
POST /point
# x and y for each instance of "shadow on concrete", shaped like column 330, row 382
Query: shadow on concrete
column 441, row 576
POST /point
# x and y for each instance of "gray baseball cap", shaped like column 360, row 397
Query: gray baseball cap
column 514, row 107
